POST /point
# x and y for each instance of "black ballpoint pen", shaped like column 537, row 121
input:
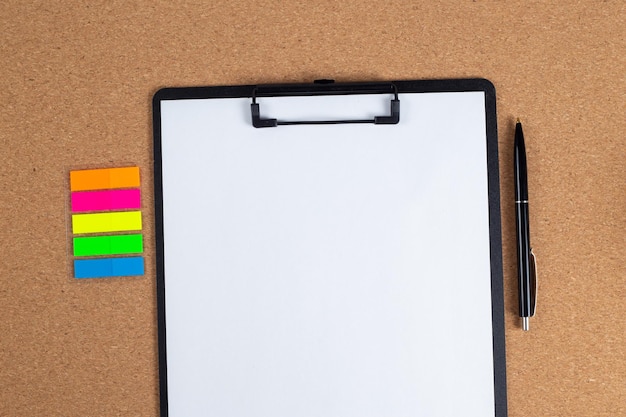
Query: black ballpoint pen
column 526, row 264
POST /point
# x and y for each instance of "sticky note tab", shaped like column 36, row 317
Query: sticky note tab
column 108, row 267
column 106, row 200
column 108, row 245
column 106, row 222
column 100, row 179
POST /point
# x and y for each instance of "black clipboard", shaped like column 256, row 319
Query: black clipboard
column 240, row 326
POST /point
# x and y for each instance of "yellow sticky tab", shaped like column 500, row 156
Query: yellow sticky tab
column 106, row 222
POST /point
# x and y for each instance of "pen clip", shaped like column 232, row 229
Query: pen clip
column 533, row 284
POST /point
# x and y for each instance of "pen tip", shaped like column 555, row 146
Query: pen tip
column 518, row 122
column 525, row 324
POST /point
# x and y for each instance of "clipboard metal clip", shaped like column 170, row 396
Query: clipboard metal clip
column 324, row 88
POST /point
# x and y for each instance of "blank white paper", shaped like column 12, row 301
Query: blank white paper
column 327, row 271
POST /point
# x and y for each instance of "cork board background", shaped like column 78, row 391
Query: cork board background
column 76, row 82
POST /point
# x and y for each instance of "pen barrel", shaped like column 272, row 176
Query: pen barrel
column 523, row 258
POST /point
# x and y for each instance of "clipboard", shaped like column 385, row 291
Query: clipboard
column 329, row 249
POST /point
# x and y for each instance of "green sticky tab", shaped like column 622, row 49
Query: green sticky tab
column 108, row 245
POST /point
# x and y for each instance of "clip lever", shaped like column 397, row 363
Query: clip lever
column 392, row 118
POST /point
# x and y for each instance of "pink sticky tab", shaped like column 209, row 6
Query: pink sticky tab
column 106, row 200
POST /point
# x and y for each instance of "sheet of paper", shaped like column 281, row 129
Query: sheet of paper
column 327, row 270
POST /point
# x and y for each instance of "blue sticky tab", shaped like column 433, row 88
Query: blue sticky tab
column 108, row 267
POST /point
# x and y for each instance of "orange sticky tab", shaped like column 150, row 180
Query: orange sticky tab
column 101, row 179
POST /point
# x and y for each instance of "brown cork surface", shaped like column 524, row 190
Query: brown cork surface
column 76, row 82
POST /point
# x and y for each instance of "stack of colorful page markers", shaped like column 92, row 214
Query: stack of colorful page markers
column 106, row 222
